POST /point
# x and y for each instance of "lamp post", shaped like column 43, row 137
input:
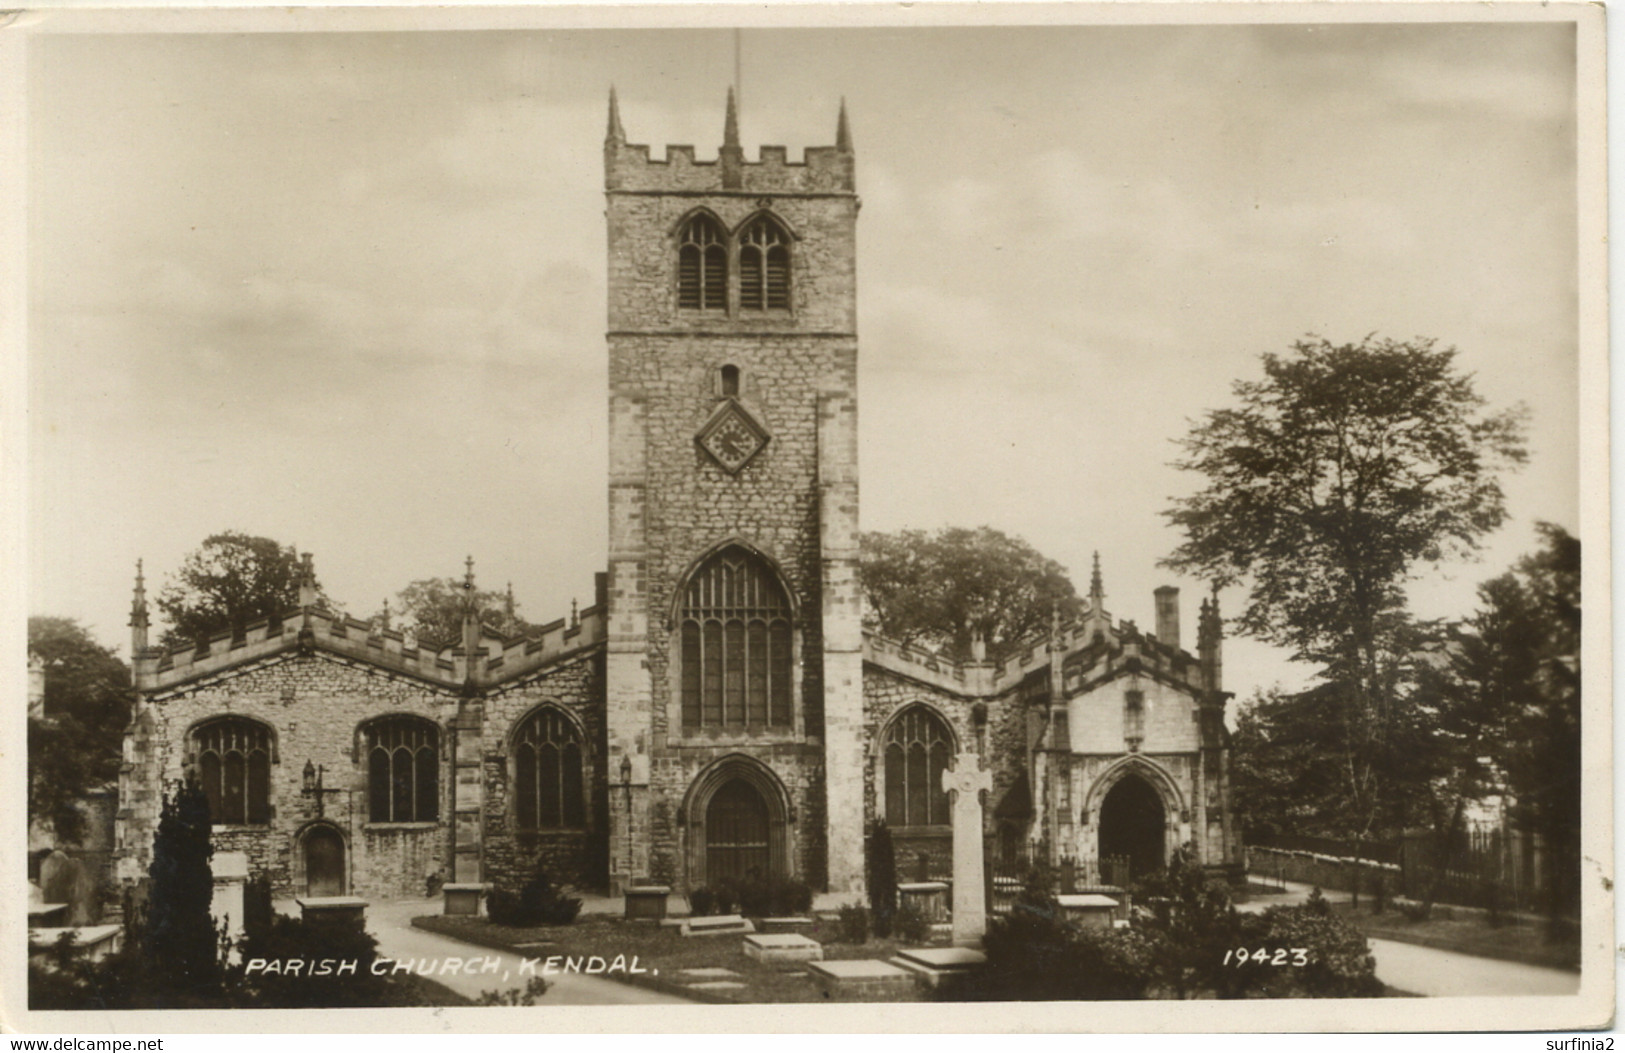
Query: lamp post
column 626, row 789
column 314, row 778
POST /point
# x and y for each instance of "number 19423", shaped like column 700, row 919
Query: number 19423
column 1239, row 956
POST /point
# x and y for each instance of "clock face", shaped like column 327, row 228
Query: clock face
column 732, row 437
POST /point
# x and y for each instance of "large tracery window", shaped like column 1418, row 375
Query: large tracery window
column 917, row 749
column 234, row 765
column 548, row 790
column 702, row 265
column 764, row 266
column 403, row 770
column 735, row 628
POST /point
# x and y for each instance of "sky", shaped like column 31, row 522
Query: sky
column 347, row 290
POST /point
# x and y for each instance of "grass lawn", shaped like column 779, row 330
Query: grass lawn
column 1513, row 941
column 665, row 953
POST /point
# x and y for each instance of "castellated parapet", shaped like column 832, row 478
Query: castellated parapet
column 502, row 658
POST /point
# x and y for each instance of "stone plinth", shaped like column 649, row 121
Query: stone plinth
column 717, row 925
column 775, row 947
column 333, row 910
column 646, row 901
column 795, row 925
column 94, row 942
column 863, row 980
column 462, row 898
column 929, row 899
column 1089, row 910
column 933, row 964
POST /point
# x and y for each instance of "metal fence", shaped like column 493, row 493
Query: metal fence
column 1013, row 868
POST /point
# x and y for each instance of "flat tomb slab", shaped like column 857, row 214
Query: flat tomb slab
column 783, row 947
column 1086, row 901
column 944, row 958
column 859, row 969
column 906, row 887
column 710, row 972
column 864, row 980
column 717, row 925
column 720, row 986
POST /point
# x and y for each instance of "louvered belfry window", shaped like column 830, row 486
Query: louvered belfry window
column 735, row 629
column 917, row 748
column 234, row 765
column 403, row 770
column 702, row 265
column 764, row 266
column 548, row 789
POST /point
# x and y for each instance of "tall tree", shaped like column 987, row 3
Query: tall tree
column 87, row 705
column 1510, row 694
column 1338, row 475
column 228, row 581
column 942, row 590
column 433, row 609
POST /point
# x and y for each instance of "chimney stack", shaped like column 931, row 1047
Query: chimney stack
column 1168, row 615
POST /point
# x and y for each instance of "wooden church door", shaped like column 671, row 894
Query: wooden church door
column 736, row 833
column 324, row 862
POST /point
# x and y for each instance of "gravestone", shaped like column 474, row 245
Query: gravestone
column 966, row 782
column 230, row 870
column 64, row 879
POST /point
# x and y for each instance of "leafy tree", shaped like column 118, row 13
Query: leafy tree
column 942, row 590
column 1509, row 696
column 87, row 705
column 1336, row 477
column 227, row 582
column 433, row 609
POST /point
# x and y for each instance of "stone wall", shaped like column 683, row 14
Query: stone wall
column 314, row 707
column 575, row 687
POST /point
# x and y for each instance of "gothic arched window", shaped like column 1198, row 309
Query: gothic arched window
column 548, row 785
column 735, row 630
column 764, row 266
column 403, row 770
column 234, row 765
column 917, row 750
column 702, row 265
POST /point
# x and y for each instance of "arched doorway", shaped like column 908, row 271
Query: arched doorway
column 736, row 833
column 324, row 862
column 1133, row 824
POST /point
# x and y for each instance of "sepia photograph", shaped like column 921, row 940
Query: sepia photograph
column 706, row 517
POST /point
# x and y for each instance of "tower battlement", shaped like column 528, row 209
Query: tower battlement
column 629, row 168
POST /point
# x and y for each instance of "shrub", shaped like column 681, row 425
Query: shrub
column 911, row 926
column 540, row 902
column 854, row 924
column 700, row 901
column 1339, row 963
column 1033, row 955
column 760, row 897
column 882, row 865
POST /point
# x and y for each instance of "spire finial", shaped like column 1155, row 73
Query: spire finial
column 384, row 622
column 730, row 127
column 507, row 602
column 468, row 574
column 843, row 134
column 575, row 613
column 1097, row 589
column 138, row 605
column 615, row 134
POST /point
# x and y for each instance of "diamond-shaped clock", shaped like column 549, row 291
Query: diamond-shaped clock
column 732, row 436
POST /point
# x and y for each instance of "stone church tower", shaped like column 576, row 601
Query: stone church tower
column 733, row 671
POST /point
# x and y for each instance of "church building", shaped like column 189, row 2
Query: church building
column 719, row 709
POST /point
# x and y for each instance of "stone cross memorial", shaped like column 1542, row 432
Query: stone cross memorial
column 965, row 782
